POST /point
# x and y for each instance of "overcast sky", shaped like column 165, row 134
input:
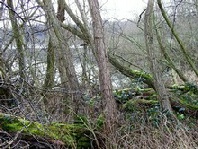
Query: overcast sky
column 122, row 8
column 119, row 9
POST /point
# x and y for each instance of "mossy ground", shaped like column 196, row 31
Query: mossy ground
column 71, row 135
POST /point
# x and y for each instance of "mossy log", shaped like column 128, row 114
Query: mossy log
column 123, row 95
column 180, row 98
column 185, row 88
column 182, row 106
column 133, row 74
column 139, row 104
column 178, row 106
column 62, row 134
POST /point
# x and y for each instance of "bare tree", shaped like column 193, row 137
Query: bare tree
column 180, row 42
column 18, row 38
column 104, row 75
column 63, row 53
column 154, row 66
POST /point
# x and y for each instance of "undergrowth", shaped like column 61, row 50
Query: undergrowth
column 140, row 133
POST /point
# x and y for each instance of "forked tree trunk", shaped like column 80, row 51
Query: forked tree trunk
column 62, row 52
column 152, row 58
column 104, row 75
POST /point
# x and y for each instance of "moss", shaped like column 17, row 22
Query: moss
column 70, row 134
column 136, row 104
column 100, row 121
column 188, row 105
column 186, row 88
column 133, row 74
column 142, row 74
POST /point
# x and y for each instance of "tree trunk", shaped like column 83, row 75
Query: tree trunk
column 63, row 52
column 2, row 63
column 109, row 103
column 49, row 76
column 154, row 65
column 181, row 44
column 168, row 58
column 18, row 38
column 133, row 74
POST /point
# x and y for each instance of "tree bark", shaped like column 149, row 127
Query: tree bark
column 63, row 52
column 49, row 76
column 2, row 63
column 18, row 38
column 109, row 103
column 152, row 58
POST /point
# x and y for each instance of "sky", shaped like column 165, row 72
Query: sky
column 122, row 9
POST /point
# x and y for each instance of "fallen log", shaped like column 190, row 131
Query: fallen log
column 183, row 102
column 29, row 133
column 133, row 74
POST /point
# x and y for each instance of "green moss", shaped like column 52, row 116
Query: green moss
column 188, row 105
column 136, row 104
column 143, row 74
column 70, row 134
column 100, row 121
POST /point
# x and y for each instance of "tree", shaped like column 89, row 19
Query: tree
column 49, row 76
column 152, row 58
column 18, row 39
column 2, row 65
column 63, row 53
column 181, row 44
column 109, row 104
